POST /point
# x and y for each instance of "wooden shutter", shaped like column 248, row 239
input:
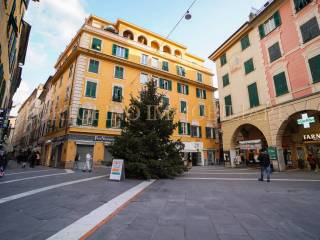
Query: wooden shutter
column 161, row 84
column 274, row 52
column 253, row 95
column 228, row 105
column 126, row 54
column 114, row 49
column 80, row 116
column 261, row 31
column 188, row 128
column 204, row 94
column 248, row 66
column 225, row 80
column 96, row 118
column 245, row 43
column 179, row 87
column 198, row 92
column 122, row 122
column 187, row 89
column 109, row 117
column 200, row 132
column 169, row 85
column 180, row 128
column 314, row 64
column 280, row 84
column 277, row 18
column 192, row 130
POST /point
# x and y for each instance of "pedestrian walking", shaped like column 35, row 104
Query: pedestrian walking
column 312, row 162
column 265, row 164
column 76, row 161
column 88, row 165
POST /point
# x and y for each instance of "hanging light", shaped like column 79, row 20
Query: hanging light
column 188, row 16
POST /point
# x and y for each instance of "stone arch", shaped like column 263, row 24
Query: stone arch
column 143, row 40
column 155, row 45
column 167, row 49
column 128, row 34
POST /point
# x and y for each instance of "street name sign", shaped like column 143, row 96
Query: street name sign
column 117, row 170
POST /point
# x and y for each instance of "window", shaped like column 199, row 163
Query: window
column 144, row 59
column 118, row 72
column 183, row 106
column 300, row 4
column 120, row 51
column 117, row 94
column 114, row 120
column 165, row 84
column 66, row 97
column 201, row 93
column 310, row 30
column 88, row 117
column 274, row 52
column 245, row 42
column 181, row 71
column 183, row 88
column 91, row 88
column 155, row 62
column 201, row 110
column 165, row 66
column 199, row 77
column 280, row 84
column 271, row 24
column 210, row 133
column 156, row 80
column 70, row 71
column 60, row 82
column 165, row 102
column 184, row 128
column 253, row 95
column 223, row 60
column 144, row 78
column 228, row 105
column 96, row 44
column 93, row 66
column 225, row 80
column 314, row 64
column 248, row 66
column 196, row 131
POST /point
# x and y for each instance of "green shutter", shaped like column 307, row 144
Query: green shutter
column 201, row 110
column 122, row 122
column 188, row 129
column 80, row 116
column 169, row 85
column 248, row 66
column 200, row 132
column 228, row 105
column 261, row 31
column 179, row 87
column 223, row 59
column 204, row 94
column 120, row 93
column 280, row 84
column 245, row 42
column 96, row 118
column 253, row 95
column 96, row 44
column 109, row 117
column 225, row 80
column 180, row 128
column 314, row 64
column 126, row 54
column 277, row 18
column 187, row 89
column 161, row 84
column 198, row 92
column 165, row 66
column 114, row 49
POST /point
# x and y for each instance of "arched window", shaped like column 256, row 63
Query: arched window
column 167, row 49
column 155, row 45
column 142, row 40
column 128, row 34
column 177, row 53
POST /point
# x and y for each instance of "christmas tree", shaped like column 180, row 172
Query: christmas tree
column 145, row 142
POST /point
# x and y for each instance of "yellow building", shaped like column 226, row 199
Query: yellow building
column 97, row 73
column 14, row 36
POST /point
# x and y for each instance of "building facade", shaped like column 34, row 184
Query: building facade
column 106, row 63
column 274, row 59
column 14, row 37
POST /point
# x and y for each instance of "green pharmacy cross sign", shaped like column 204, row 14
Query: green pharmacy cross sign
column 306, row 121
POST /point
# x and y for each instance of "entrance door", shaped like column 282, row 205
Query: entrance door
column 56, row 156
column 211, row 158
column 107, row 155
column 82, row 150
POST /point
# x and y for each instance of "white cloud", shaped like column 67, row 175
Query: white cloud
column 21, row 95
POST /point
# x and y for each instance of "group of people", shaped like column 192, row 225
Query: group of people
column 28, row 156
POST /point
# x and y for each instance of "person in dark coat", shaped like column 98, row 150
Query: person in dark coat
column 33, row 159
column 265, row 164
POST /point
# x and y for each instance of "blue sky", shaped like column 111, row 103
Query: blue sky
column 55, row 22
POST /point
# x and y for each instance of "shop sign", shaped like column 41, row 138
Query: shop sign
column 103, row 139
column 117, row 170
column 251, row 144
column 306, row 120
column 311, row 137
column 272, row 151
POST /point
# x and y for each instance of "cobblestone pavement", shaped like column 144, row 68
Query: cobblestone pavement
column 226, row 204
